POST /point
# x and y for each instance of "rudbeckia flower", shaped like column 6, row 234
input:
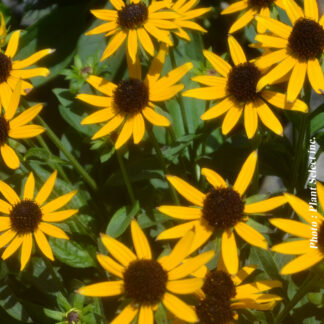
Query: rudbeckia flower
column 16, row 128
column 251, row 8
column 298, row 48
column 222, row 294
column 186, row 15
column 310, row 249
column 135, row 21
column 29, row 216
column 238, row 85
column 132, row 99
column 147, row 282
column 13, row 70
column 222, row 210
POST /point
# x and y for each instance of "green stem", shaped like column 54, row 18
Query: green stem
column 126, row 178
column 163, row 164
column 56, row 141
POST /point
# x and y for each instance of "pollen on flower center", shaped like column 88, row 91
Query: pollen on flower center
column 223, row 208
column 25, row 216
column 131, row 96
column 260, row 3
column 4, row 130
column 213, row 310
column 242, row 81
column 145, row 281
column 5, row 67
column 219, row 284
column 321, row 238
column 306, row 40
column 132, row 15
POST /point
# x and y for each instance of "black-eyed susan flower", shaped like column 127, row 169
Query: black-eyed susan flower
column 222, row 294
column 132, row 100
column 29, row 216
column 16, row 127
column 310, row 249
column 13, row 70
column 186, row 15
column 297, row 48
column 135, row 21
column 146, row 282
column 251, row 8
column 238, row 85
column 222, row 210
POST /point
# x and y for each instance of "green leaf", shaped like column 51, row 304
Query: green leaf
column 317, row 123
column 63, row 303
column 268, row 263
column 58, row 316
column 160, row 315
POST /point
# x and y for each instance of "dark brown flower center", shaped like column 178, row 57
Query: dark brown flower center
column 131, row 96
column 5, row 67
column 242, row 81
column 306, row 40
column 145, row 281
column 25, row 216
column 219, row 284
column 4, row 130
column 132, row 15
column 321, row 238
column 258, row 4
column 223, row 208
column 214, row 311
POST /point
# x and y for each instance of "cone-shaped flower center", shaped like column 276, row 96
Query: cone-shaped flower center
column 25, row 216
column 145, row 281
column 223, row 208
column 219, row 284
column 131, row 96
column 306, row 40
column 132, row 15
column 5, row 67
column 321, row 238
column 258, row 4
column 242, row 81
column 4, row 130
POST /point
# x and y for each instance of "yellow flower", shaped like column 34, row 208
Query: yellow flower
column 310, row 249
column 15, row 127
column 147, row 282
column 135, row 21
column 13, row 70
column 186, row 14
column 132, row 99
column 297, row 48
column 31, row 216
column 222, row 294
column 3, row 30
column 222, row 211
column 237, row 85
column 254, row 7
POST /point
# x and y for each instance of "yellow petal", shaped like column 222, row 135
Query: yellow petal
column 43, row 244
column 246, row 173
column 26, row 131
column 176, row 231
column 13, row 44
column 265, row 11
column 145, row 40
column 141, row 244
column 210, row 80
column 213, row 178
column 29, row 187
column 250, row 120
column 243, row 20
column 26, row 116
column 293, row 11
column 207, row 93
column 6, row 237
column 46, row 189
column 232, row 117
column 247, row 290
column 103, row 28
column 57, row 203
column 250, row 235
column 221, row 66
column 265, row 205
column 114, row 44
column 234, row 7
column 229, row 252
column 268, row 60
column 103, row 289
column 4, row 207
column 292, row 227
column 273, row 42
column 5, row 222
column 5, row 94
column 296, row 81
column 32, row 59
column 10, row 157
column 26, row 250
column 138, row 128
column 102, row 85
column 268, row 118
column 110, row 265
column 159, row 34
column 14, row 102
column 30, row 73
column 186, row 286
column 109, row 127
column 203, row 231
column 243, row 273
column 154, row 118
column 52, row 230
column 118, row 4
column 218, row 110
column 59, row 216
column 104, row 14
column 98, row 101
column 278, row 28
column 125, row 133
column 9, row 193
column 127, row 315
column 12, row 247
column 157, row 64
column 187, row 213
column 99, row 116
column 320, row 193
column 236, row 51
column 132, row 44
column 145, row 315
column 315, row 75
column 294, row 247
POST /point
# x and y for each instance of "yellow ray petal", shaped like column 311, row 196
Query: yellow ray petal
column 243, row 273
column 46, row 189
column 132, row 44
column 176, row 231
column 246, row 173
column 234, row 7
column 293, row 11
column 214, row 178
column 10, row 157
column 59, row 216
column 207, row 93
column 250, row 120
column 114, row 44
column 103, row 289
column 5, row 223
column 218, row 110
column 250, row 235
column 278, row 28
column 30, row 73
column 58, row 202
column 265, row 205
column 145, row 40
column 5, row 94
column 154, row 118
column 99, row 116
column 203, row 231
column 180, row 309
column 268, row 118
column 118, row 4
column 26, row 116
column 296, row 81
column 210, row 80
column 31, row 59
column 103, row 28
column 159, row 34
column 186, row 286
column 14, row 102
column 6, row 237
column 110, row 265
column 292, row 227
column 165, row 94
column 157, row 64
column 268, row 60
column 141, row 244
column 118, row 250
column 188, row 213
column 273, row 42
column 26, row 250
column 138, row 128
column 9, row 193
column 52, row 230
column 29, row 187
column 125, row 133
column 109, row 127
column 315, row 75
column 26, row 131
column 43, row 244
column 4, row 207
column 12, row 247
column 247, row 290
column 187, row 191
column 145, row 315
column 294, row 247
column 302, row 262
column 134, row 67
column 104, row 14
column 229, row 252
column 232, row 117
column 265, row 11
column 13, row 44
column 320, row 193
column 243, row 20
column 98, row 101
column 221, row 66
column 236, row 51
column 102, row 85
column 127, row 315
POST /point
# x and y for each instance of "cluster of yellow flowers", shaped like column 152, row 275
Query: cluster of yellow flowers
column 290, row 52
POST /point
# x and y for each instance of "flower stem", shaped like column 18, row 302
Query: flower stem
column 126, row 178
column 163, row 164
column 56, row 141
